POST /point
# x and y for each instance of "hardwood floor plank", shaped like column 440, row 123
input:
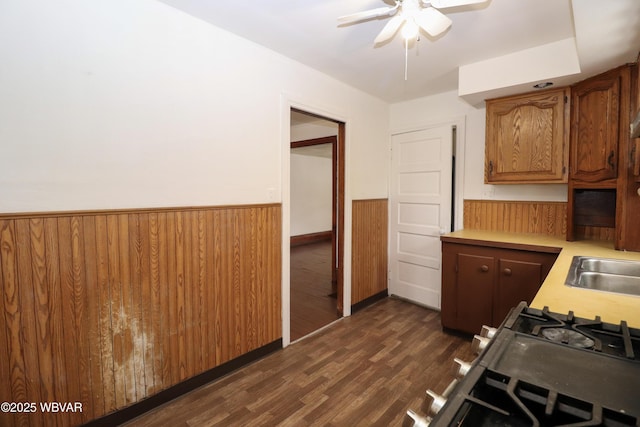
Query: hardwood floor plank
column 363, row 370
column 311, row 306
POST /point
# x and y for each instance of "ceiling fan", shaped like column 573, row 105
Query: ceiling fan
column 413, row 15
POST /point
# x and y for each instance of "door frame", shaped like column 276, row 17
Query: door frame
column 288, row 103
column 335, row 197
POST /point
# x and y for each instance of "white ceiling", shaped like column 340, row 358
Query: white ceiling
column 607, row 34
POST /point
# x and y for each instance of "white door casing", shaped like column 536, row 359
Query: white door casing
column 420, row 211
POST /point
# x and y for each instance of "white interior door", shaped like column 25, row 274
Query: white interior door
column 420, row 211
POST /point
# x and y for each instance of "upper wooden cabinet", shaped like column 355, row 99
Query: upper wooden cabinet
column 601, row 193
column 527, row 138
column 595, row 127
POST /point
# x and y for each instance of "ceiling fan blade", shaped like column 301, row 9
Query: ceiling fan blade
column 432, row 21
column 390, row 29
column 369, row 14
column 443, row 4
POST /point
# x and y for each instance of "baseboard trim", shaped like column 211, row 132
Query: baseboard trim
column 152, row 402
column 305, row 239
column 369, row 301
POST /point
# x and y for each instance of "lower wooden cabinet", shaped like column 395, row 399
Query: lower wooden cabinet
column 480, row 284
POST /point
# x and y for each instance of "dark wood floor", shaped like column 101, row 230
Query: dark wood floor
column 312, row 307
column 364, row 370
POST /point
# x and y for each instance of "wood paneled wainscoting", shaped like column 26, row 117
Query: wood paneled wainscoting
column 548, row 218
column 109, row 308
column 369, row 251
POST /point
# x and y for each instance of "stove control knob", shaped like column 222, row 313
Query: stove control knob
column 418, row 420
column 488, row 331
column 460, row 368
column 437, row 402
column 479, row 343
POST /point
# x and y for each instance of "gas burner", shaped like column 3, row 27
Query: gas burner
column 547, row 369
column 568, row 336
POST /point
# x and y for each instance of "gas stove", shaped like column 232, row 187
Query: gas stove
column 544, row 369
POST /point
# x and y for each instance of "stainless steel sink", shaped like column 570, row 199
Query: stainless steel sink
column 610, row 266
column 603, row 274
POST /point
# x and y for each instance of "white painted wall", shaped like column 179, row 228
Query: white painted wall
column 124, row 104
column 316, row 129
column 443, row 107
column 311, row 177
column 311, row 192
column 132, row 103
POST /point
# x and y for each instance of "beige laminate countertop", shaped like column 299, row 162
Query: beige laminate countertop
column 554, row 293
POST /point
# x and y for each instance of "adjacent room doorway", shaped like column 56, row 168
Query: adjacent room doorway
column 317, row 221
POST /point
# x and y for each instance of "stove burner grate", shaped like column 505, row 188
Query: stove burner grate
column 550, row 369
column 568, row 336
column 498, row 399
column 613, row 339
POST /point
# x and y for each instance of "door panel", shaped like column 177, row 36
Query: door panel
column 420, row 209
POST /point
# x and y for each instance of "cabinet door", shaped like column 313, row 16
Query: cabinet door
column 517, row 281
column 480, row 284
column 527, row 138
column 594, row 128
column 635, row 110
column 474, row 292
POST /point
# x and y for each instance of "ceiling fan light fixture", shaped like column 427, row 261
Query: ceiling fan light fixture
column 410, row 16
column 410, row 30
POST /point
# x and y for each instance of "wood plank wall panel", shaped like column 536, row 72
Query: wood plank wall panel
column 547, row 218
column 108, row 308
column 369, row 248
column 585, row 232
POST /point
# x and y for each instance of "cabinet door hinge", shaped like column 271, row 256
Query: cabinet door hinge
column 456, row 268
column 566, row 99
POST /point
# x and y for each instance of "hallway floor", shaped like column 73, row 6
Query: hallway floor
column 312, row 307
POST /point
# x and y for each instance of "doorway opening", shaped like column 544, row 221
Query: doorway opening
column 316, row 222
